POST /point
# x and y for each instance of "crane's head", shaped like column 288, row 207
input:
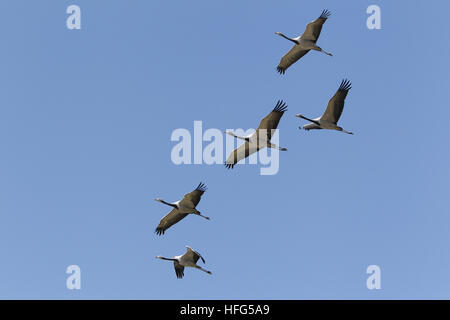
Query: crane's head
column 298, row 115
column 158, row 199
column 158, row 257
column 278, row 33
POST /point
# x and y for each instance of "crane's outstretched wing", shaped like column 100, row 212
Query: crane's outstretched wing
column 192, row 199
column 313, row 29
column 290, row 58
column 270, row 122
column 194, row 255
column 179, row 269
column 241, row 152
column 169, row 220
column 336, row 103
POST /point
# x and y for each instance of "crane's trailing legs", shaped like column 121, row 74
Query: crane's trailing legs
column 341, row 129
column 200, row 215
column 321, row 50
column 204, row 270
column 274, row 146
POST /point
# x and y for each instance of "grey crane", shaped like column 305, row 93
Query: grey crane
column 181, row 209
column 304, row 43
column 333, row 112
column 260, row 138
column 189, row 259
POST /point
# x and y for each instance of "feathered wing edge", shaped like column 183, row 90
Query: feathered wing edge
column 159, row 231
column 346, row 85
column 281, row 106
column 179, row 270
column 281, row 70
column 201, row 187
column 325, row 14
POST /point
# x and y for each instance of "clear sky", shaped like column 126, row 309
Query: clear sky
column 85, row 123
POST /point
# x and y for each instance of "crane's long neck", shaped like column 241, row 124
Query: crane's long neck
column 290, row 39
column 168, row 259
column 239, row 137
column 169, row 204
column 311, row 120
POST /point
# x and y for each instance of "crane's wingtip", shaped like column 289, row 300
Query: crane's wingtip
column 201, row 187
column 281, row 106
column 325, row 14
column 229, row 165
column 280, row 70
column 346, row 85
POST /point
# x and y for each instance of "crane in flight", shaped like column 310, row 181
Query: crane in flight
column 333, row 112
column 260, row 138
column 181, row 209
column 304, row 43
column 189, row 259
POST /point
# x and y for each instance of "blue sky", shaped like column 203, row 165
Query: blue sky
column 85, row 123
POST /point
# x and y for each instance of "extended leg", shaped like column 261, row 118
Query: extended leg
column 274, row 146
column 199, row 214
column 321, row 50
column 342, row 130
column 347, row 131
column 200, row 268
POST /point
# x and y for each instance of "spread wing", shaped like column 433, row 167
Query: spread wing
column 193, row 255
column 192, row 199
column 336, row 103
column 179, row 269
column 290, row 58
column 270, row 122
column 314, row 28
column 241, row 152
column 169, row 220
